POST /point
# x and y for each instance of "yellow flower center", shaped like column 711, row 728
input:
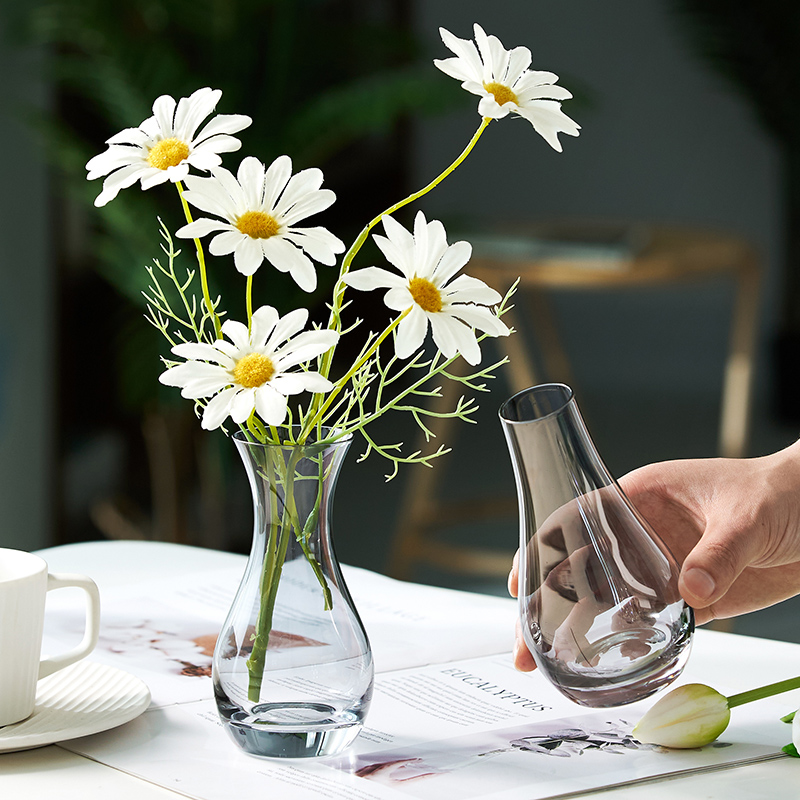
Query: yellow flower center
column 502, row 94
column 167, row 153
column 425, row 294
column 257, row 225
column 253, row 370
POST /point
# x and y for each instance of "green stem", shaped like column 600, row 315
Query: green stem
column 249, row 300
column 342, row 382
column 281, row 529
column 336, row 308
column 277, row 545
column 201, row 260
column 762, row 692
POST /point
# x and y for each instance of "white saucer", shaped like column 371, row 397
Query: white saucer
column 82, row 699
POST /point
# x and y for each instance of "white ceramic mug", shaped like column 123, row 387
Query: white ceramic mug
column 24, row 582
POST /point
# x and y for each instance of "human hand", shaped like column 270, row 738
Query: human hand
column 734, row 525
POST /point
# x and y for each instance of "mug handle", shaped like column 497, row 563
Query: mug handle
column 47, row 666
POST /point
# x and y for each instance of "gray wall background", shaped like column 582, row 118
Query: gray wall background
column 27, row 324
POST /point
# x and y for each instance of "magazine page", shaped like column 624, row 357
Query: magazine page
column 164, row 631
column 469, row 729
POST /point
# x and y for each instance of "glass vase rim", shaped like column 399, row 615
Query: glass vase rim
column 568, row 393
column 333, row 437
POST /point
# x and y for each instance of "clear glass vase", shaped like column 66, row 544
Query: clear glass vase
column 598, row 590
column 292, row 669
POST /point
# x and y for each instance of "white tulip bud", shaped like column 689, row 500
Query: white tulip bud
column 689, row 716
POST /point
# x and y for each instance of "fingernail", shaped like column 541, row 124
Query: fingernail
column 699, row 583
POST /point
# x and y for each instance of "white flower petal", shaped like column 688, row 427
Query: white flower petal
column 399, row 299
column 276, row 178
column 287, row 384
column 396, row 233
column 466, row 289
column 208, row 385
column 223, row 124
column 164, row 113
column 304, row 347
column 283, row 255
column 270, row 405
column 135, row 136
column 542, row 92
column 155, row 177
column 121, row 179
column 370, row 278
column 114, row 158
column 304, row 182
column 286, row 327
column 263, row 324
column 519, row 59
column 210, row 195
column 454, row 258
column 248, row 255
column 225, row 243
column 314, row 382
column 251, row 178
column 238, row 334
column 400, row 256
column 493, row 55
column 321, row 245
column 452, row 336
column 548, row 121
column 192, row 110
column 479, row 317
column 297, row 382
column 411, row 333
column 306, row 206
column 218, row 408
column 489, row 107
column 243, row 405
column 202, row 351
column 204, row 160
column 535, row 77
column 179, row 375
column 455, row 68
column 466, row 51
column 202, row 227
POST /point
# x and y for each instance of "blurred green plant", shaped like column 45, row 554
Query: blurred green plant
column 296, row 67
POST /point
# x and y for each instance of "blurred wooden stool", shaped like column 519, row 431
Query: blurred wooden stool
column 563, row 257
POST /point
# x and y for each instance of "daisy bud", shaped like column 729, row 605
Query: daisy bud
column 689, row 716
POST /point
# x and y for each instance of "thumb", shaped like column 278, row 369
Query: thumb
column 715, row 563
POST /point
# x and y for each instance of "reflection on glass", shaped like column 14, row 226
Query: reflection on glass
column 598, row 590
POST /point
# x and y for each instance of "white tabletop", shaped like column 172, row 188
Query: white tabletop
column 53, row 772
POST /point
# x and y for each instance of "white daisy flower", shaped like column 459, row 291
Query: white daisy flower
column 453, row 308
column 260, row 208
column 504, row 83
column 165, row 145
column 251, row 372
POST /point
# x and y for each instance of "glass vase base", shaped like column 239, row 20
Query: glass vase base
column 627, row 677
column 293, row 730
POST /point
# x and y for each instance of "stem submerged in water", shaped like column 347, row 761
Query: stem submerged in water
column 283, row 524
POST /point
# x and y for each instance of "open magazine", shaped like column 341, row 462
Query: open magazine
column 441, row 724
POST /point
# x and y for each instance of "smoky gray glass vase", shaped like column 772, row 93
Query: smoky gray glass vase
column 598, row 589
